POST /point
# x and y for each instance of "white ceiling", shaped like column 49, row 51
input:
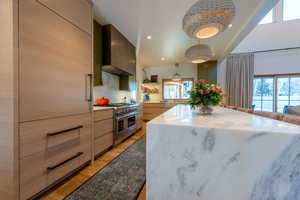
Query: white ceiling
column 162, row 19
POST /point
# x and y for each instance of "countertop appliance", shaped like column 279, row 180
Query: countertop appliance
column 125, row 120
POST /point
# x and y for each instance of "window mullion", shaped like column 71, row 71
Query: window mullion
column 289, row 90
column 279, row 12
column 274, row 94
column 180, row 89
column 261, row 98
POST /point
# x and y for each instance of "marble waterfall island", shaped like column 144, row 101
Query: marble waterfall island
column 228, row 155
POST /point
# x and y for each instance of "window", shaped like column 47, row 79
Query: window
column 291, row 9
column 177, row 89
column 276, row 92
column 288, row 92
column 263, row 98
column 268, row 18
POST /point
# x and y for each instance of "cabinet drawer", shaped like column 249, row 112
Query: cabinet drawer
column 103, row 114
column 38, row 136
column 103, row 143
column 40, row 170
column 50, row 149
column 103, row 127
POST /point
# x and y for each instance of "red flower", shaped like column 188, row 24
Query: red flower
column 201, row 81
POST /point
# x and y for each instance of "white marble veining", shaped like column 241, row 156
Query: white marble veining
column 229, row 155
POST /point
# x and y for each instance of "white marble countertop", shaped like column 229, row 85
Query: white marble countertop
column 229, row 155
column 183, row 115
column 98, row 108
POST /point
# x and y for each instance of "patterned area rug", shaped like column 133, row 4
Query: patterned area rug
column 122, row 179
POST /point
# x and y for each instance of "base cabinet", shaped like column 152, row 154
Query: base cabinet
column 50, row 149
column 103, row 130
column 45, row 94
column 103, row 143
column 153, row 110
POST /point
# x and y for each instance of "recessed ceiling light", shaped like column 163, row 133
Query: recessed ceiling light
column 149, row 37
column 163, row 58
column 230, row 25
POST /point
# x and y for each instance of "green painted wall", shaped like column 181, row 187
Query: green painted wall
column 97, row 54
column 208, row 71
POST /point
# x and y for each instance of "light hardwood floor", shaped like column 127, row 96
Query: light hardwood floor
column 81, row 177
column 142, row 195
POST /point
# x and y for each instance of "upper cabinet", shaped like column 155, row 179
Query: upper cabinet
column 119, row 55
column 55, row 63
column 77, row 12
column 97, row 46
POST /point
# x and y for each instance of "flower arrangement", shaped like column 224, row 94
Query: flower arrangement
column 205, row 94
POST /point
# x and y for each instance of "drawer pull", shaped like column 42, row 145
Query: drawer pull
column 63, row 131
column 64, row 162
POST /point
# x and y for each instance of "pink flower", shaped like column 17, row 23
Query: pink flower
column 201, row 81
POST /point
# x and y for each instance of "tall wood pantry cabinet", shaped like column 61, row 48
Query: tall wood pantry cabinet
column 45, row 93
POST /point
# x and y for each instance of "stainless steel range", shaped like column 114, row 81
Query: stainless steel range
column 125, row 120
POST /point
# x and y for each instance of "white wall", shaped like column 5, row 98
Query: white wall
column 166, row 72
column 277, row 62
column 277, row 35
column 110, row 89
column 271, row 36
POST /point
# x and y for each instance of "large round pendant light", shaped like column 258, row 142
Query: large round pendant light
column 208, row 18
column 199, row 53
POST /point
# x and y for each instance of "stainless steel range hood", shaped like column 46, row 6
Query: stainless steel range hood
column 118, row 53
column 115, row 70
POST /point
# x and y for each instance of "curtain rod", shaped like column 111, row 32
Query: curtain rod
column 271, row 50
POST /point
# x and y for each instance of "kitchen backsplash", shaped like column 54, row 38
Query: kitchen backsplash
column 111, row 90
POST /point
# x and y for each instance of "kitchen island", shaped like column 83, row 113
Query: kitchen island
column 228, row 155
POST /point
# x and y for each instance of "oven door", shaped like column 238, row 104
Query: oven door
column 131, row 123
column 125, row 126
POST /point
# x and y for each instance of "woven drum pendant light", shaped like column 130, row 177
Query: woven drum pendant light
column 208, row 18
column 199, row 53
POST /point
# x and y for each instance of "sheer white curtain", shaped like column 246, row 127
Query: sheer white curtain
column 239, row 79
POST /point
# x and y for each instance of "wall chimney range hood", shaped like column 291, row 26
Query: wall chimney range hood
column 118, row 53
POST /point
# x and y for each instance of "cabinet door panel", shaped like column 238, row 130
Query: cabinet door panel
column 78, row 12
column 55, row 58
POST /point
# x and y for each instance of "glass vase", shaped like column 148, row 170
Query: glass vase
column 205, row 109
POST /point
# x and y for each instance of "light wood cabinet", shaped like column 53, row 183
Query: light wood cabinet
column 103, row 114
column 50, row 149
column 78, row 13
column 103, row 127
column 153, row 110
column 103, row 130
column 55, row 60
column 46, row 119
column 140, row 117
column 102, row 143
